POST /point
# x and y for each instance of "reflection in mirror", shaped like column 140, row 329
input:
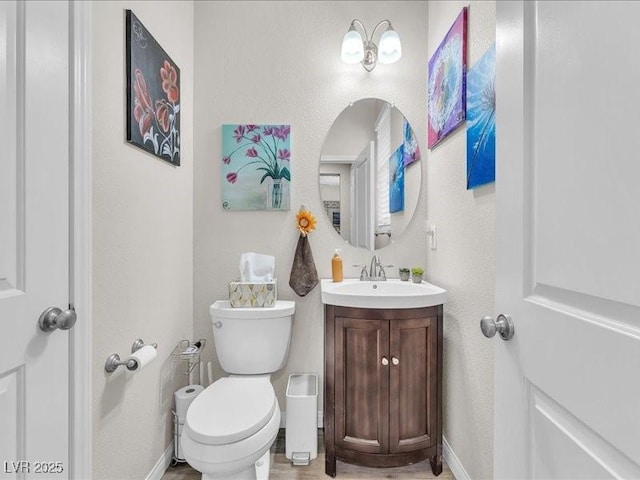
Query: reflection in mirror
column 330, row 194
column 370, row 174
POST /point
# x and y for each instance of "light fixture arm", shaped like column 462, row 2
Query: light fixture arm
column 376, row 27
column 364, row 29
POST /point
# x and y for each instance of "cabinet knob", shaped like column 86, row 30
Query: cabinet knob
column 395, row 361
column 385, row 361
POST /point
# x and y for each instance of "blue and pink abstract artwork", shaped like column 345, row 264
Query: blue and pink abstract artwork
column 411, row 148
column 396, row 181
column 481, row 121
column 446, row 84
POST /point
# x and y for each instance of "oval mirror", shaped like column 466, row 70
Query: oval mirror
column 370, row 173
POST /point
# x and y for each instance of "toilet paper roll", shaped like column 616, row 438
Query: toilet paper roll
column 142, row 357
column 183, row 398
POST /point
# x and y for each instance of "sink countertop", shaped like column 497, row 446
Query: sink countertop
column 392, row 293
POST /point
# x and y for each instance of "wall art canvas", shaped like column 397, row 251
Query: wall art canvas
column 396, row 180
column 411, row 148
column 256, row 171
column 153, row 94
column 446, row 84
column 481, row 121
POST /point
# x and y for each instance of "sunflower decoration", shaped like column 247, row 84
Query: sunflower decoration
column 305, row 222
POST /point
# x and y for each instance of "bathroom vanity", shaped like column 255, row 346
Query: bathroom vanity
column 383, row 336
column 383, row 386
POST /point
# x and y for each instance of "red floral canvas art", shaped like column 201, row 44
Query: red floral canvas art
column 153, row 94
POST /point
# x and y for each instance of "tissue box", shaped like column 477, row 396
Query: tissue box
column 252, row 294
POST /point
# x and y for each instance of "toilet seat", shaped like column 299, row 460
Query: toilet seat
column 233, row 456
column 230, row 410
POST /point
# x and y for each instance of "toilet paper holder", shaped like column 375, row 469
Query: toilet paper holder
column 113, row 361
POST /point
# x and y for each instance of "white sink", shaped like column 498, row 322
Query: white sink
column 392, row 293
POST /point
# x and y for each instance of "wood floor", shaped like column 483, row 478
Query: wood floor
column 282, row 469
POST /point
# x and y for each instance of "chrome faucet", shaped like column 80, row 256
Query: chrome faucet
column 363, row 273
column 373, row 268
column 376, row 270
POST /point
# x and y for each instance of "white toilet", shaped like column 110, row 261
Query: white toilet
column 232, row 424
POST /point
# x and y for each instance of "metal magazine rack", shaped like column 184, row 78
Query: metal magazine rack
column 187, row 354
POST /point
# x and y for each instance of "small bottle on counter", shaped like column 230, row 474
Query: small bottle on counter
column 336, row 266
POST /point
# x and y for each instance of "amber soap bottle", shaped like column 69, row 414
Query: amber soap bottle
column 336, row 266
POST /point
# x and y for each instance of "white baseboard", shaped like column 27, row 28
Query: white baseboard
column 162, row 464
column 283, row 416
column 453, row 461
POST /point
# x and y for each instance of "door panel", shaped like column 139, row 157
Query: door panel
column 361, row 424
column 11, row 421
column 12, row 166
column 579, row 65
column 567, row 237
column 412, row 401
column 557, row 435
column 34, row 248
column 362, row 198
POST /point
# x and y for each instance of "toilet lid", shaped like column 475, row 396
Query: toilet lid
column 231, row 409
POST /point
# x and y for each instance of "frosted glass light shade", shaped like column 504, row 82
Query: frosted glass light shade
column 352, row 47
column 390, row 49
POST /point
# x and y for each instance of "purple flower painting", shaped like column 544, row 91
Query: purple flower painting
column 256, row 167
column 446, row 85
column 153, row 94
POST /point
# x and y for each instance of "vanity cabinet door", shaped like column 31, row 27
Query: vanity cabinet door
column 361, row 385
column 413, row 384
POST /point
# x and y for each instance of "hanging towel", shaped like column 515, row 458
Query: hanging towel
column 303, row 271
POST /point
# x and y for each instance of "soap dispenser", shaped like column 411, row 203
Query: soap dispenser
column 336, row 266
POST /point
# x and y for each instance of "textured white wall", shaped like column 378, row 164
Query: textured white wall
column 464, row 263
column 143, row 247
column 279, row 62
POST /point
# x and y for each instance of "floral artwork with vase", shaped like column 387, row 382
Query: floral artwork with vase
column 256, row 171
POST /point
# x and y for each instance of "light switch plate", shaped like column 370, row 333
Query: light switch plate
column 432, row 233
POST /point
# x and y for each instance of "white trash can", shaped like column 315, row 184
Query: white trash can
column 301, row 424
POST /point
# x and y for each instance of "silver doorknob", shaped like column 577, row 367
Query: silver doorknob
column 502, row 325
column 53, row 318
column 395, row 361
column 385, row 361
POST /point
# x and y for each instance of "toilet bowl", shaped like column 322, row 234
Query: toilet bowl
column 230, row 427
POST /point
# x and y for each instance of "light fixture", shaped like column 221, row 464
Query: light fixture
column 356, row 50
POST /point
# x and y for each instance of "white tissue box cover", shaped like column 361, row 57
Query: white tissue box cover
column 253, row 294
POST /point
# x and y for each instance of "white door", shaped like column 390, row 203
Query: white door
column 362, row 200
column 34, row 238
column 567, row 394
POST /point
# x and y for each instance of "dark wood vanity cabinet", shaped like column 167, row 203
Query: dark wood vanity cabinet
column 383, row 386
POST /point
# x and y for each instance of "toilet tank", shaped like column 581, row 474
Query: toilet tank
column 252, row 341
